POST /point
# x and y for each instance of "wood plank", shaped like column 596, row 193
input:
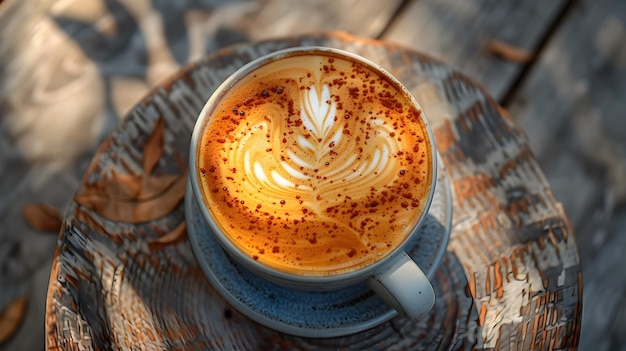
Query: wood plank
column 510, row 237
column 572, row 101
column 572, row 106
column 137, row 43
column 459, row 33
column 279, row 18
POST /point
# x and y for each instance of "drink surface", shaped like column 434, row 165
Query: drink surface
column 315, row 165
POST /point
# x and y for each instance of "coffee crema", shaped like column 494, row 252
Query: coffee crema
column 315, row 164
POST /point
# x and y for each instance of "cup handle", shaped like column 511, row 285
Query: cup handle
column 404, row 286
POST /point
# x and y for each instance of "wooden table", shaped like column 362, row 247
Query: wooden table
column 123, row 275
column 95, row 62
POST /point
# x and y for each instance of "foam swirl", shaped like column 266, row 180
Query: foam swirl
column 318, row 162
column 316, row 170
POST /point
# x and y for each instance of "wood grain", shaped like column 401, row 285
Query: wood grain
column 279, row 18
column 459, row 32
column 511, row 277
column 102, row 47
column 575, row 91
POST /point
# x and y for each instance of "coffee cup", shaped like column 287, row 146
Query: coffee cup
column 314, row 168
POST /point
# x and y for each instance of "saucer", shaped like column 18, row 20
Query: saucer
column 314, row 314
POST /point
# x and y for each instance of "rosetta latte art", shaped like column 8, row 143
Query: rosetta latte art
column 308, row 160
column 316, row 166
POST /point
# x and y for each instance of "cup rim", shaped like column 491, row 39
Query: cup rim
column 274, row 274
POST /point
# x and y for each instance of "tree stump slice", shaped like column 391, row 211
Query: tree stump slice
column 124, row 277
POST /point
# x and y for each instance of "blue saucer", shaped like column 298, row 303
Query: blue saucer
column 313, row 314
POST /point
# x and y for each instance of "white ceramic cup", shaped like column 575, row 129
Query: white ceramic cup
column 396, row 278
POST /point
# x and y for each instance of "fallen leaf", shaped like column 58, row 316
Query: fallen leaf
column 174, row 237
column 123, row 185
column 11, row 318
column 153, row 149
column 130, row 187
column 136, row 198
column 158, row 197
column 43, row 217
column 510, row 52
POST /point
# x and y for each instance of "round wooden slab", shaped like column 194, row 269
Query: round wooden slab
column 124, row 276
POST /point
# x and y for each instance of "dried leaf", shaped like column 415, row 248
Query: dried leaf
column 94, row 201
column 153, row 149
column 43, row 217
column 152, row 187
column 129, row 187
column 160, row 204
column 136, row 198
column 158, row 197
column 174, row 237
column 124, row 185
column 11, row 318
column 510, row 52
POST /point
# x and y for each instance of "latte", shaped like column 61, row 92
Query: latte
column 315, row 164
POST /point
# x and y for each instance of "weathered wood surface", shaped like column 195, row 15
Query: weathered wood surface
column 511, row 276
column 278, row 18
column 577, row 90
column 459, row 32
column 110, row 53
